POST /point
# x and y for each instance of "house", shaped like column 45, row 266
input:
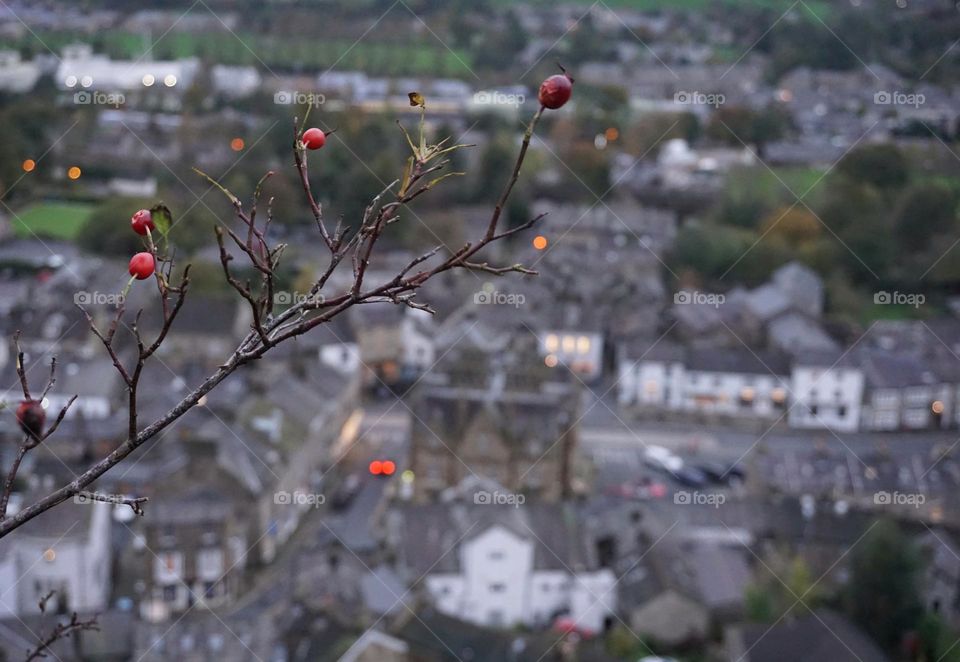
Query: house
column 823, row 635
column 193, row 548
column 782, row 314
column 17, row 76
column 81, row 69
column 903, row 392
column 395, row 344
column 940, row 586
column 691, row 579
column 207, row 327
column 492, row 408
column 498, row 565
column 827, row 391
column 95, row 382
column 67, row 550
column 735, row 382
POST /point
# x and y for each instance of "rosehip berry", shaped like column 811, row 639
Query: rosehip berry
column 555, row 91
column 31, row 417
column 142, row 221
column 314, row 138
column 142, row 265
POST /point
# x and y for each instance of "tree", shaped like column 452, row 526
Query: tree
column 737, row 125
column 883, row 166
column 883, row 595
column 926, row 211
column 796, row 225
column 788, row 588
column 271, row 324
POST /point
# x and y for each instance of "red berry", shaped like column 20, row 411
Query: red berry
column 314, row 138
column 31, row 416
column 142, row 265
column 555, row 91
column 142, row 221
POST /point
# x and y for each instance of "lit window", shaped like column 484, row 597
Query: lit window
column 583, row 345
column 552, row 342
column 148, row 80
column 569, row 344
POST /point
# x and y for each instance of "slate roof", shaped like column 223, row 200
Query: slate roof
column 811, row 638
column 737, row 360
column 884, row 369
column 430, row 535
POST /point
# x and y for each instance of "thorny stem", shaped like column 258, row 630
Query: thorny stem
column 267, row 328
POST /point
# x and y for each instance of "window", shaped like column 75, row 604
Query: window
column 168, row 567
column 552, row 343
column 499, row 587
column 813, row 410
column 209, row 563
column 496, row 555
column 583, row 345
column 170, row 593
column 842, row 411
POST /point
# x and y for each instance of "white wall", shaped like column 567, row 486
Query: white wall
column 498, row 586
column 79, row 565
column 828, row 389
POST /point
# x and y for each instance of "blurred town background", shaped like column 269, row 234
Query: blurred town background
column 721, row 424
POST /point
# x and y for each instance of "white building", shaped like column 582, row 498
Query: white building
column 581, row 351
column 499, row 565
column 722, row 381
column 828, row 393
column 80, row 68
column 66, row 550
column 16, row 75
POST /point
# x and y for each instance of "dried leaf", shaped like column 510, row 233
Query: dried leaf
column 417, row 99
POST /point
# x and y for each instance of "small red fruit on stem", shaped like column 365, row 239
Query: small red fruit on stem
column 556, row 90
column 31, row 417
column 314, row 138
column 142, row 222
column 142, row 265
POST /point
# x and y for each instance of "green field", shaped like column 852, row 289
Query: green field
column 820, row 7
column 59, row 220
column 386, row 58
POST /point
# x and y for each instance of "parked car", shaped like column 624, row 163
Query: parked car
column 662, row 459
column 721, row 472
column 690, row 476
